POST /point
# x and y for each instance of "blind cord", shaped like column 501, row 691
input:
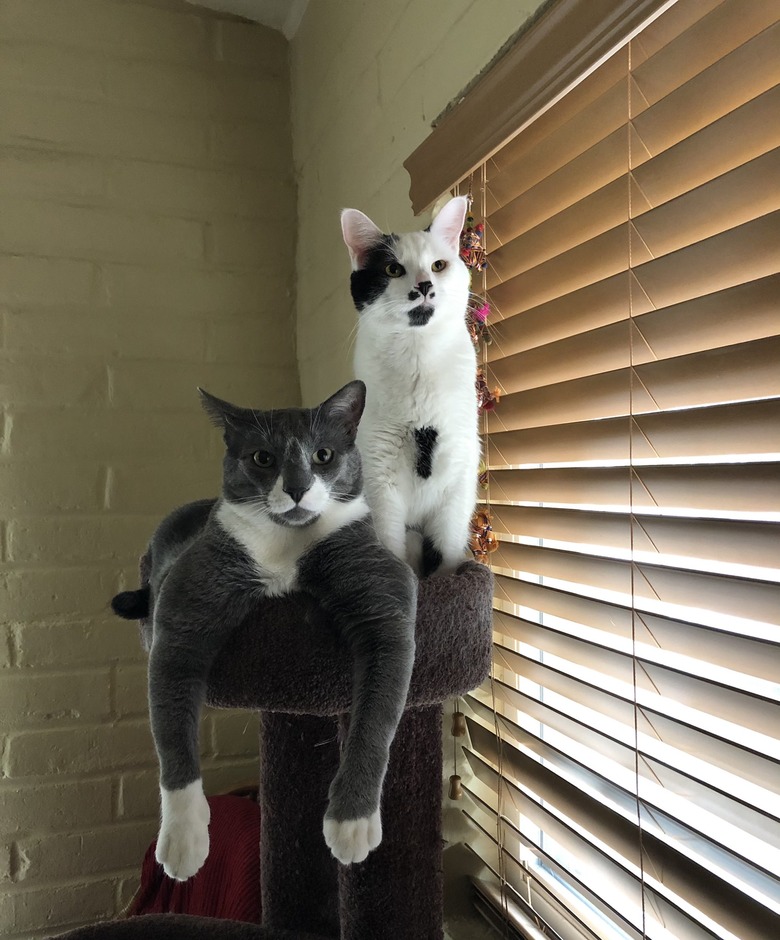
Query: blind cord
column 632, row 521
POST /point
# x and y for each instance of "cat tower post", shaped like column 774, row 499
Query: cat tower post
column 287, row 662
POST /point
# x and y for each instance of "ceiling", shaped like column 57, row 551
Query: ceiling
column 282, row 15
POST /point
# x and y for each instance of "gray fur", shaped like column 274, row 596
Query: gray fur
column 204, row 581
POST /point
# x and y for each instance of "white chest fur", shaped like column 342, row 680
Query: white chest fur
column 419, row 380
column 276, row 549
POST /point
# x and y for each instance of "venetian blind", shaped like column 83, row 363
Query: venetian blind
column 626, row 753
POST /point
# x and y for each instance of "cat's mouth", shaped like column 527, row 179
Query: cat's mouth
column 297, row 516
column 420, row 315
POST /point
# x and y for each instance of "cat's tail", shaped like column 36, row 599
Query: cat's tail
column 132, row 605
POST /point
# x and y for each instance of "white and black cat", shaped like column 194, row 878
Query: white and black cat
column 292, row 509
column 418, row 438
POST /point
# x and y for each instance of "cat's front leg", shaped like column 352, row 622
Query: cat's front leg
column 194, row 614
column 372, row 600
column 389, row 511
column 446, row 534
column 177, row 688
column 183, row 841
column 351, row 840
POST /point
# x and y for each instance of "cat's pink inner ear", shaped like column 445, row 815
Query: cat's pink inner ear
column 448, row 224
column 360, row 234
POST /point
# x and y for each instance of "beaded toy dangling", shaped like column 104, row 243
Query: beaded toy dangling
column 472, row 249
column 458, row 724
column 487, row 398
column 457, row 730
column 483, row 538
column 476, row 319
column 484, row 476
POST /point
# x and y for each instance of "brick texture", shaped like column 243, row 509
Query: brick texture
column 147, row 232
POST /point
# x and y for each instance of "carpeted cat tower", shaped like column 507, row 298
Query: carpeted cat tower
column 288, row 663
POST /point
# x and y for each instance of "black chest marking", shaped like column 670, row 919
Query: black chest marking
column 425, row 439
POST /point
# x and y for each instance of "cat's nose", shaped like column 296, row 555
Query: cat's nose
column 424, row 286
column 296, row 495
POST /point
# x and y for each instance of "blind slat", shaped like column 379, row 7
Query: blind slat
column 598, row 105
column 729, row 82
column 744, row 430
column 609, row 713
column 660, row 122
column 533, row 883
column 564, row 858
column 662, row 687
column 662, row 168
column 743, row 372
column 719, row 489
column 664, row 219
column 739, row 314
column 737, row 256
column 717, row 824
column 755, row 653
column 708, row 892
column 655, row 589
column 727, row 541
column 672, row 850
column 610, row 742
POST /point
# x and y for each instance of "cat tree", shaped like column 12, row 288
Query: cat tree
column 288, row 663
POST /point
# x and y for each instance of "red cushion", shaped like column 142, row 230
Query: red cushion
column 228, row 885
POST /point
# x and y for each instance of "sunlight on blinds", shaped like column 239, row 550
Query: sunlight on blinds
column 625, row 755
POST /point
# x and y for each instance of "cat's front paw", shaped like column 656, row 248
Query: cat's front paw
column 183, row 842
column 352, row 839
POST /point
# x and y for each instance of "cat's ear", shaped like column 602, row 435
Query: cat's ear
column 346, row 406
column 223, row 415
column 360, row 235
column 448, row 223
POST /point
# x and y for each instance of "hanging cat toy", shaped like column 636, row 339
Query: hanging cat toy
column 474, row 256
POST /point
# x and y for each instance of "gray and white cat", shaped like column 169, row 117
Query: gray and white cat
column 292, row 509
column 418, row 438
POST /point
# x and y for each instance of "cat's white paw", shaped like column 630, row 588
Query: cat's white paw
column 183, row 842
column 352, row 839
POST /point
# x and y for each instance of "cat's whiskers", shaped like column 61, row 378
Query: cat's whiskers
column 256, row 504
column 313, row 419
column 351, row 339
column 263, row 427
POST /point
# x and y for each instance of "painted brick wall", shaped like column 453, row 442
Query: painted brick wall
column 147, row 230
column 368, row 79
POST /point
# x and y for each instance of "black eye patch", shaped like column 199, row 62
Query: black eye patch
column 370, row 281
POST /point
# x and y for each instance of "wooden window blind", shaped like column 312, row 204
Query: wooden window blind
column 626, row 752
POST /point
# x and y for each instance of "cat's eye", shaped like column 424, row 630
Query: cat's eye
column 263, row 459
column 438, row 265
column 394, row 269
column 323, row 455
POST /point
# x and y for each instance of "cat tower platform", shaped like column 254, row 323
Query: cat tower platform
column 288, row 663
